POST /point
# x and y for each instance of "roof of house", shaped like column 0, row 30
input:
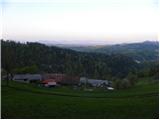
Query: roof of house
column 20, row 77
column 97, row 81
column 94, row 81
column 27, row 76
column 34, row 77
column 48, row 80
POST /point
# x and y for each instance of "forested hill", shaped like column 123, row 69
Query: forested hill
column 18, row 57
column 145, row 51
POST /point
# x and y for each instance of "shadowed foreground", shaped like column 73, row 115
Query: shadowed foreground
column 18, row 103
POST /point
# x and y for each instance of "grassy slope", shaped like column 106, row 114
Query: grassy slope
column 25, row 104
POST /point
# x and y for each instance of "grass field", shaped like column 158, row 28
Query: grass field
column 30, row 101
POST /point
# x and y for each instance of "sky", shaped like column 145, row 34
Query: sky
column 79, row 21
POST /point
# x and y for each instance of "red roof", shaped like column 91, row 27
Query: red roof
column 48, row 80
column 56, row 76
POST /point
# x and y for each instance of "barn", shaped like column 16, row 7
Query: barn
column 94, row 82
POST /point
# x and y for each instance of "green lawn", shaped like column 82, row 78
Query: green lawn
column 30, row 101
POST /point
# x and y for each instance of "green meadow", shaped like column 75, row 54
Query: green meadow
column 20, row 100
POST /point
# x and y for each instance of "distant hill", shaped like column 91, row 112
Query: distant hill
column 140, row 52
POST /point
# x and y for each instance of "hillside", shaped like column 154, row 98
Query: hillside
column 145, row 51
column 52, row 59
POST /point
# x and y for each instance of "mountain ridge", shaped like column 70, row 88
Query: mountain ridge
column 143, row 51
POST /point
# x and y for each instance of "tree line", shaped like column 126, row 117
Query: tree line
column 39, row 58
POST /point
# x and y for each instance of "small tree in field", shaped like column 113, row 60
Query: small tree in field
column 132, row 78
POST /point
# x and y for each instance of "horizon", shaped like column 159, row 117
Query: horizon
column 79, row 21
column 49, row 43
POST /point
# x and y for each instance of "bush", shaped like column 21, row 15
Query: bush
column 121, row 84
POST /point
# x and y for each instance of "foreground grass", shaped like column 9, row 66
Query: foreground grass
column 27, row 104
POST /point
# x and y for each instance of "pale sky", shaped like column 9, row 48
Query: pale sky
column 79, row 21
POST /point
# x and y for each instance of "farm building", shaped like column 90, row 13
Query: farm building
column 62, row 79
column 94, row 82
column 27, row 78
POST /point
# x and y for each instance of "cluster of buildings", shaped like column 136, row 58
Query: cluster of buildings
column 49, row 80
